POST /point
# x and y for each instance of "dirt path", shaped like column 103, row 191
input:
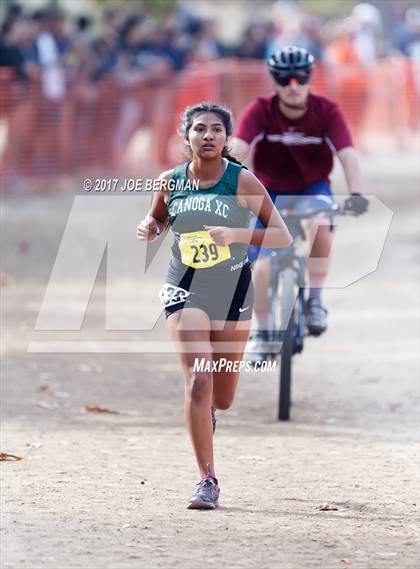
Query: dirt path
column 108, row 490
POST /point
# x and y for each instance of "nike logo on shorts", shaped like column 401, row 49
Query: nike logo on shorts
column 243, row 309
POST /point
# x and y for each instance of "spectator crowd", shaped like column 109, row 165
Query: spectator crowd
column 74, row 90
column 135, row 46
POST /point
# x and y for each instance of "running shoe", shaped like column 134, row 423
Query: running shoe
column 206, row 495
column 256, row 350
column 316, row 317
column 213, row 418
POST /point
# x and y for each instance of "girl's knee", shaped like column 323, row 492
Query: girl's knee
column 223, row 403
column 200, row 386
column 224, row 388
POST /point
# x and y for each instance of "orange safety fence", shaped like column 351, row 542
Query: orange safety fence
column 111, row 128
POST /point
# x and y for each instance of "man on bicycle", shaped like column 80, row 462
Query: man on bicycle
column 293, row 136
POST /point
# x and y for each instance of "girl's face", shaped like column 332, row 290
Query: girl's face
column 207, row 136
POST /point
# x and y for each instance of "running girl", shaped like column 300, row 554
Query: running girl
column 208, row 294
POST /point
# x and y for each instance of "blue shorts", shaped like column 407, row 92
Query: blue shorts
column 296, row 200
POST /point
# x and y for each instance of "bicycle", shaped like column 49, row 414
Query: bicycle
column 286, row 299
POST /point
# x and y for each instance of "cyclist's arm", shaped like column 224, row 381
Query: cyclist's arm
column 338, row 133
column 351, row 165
column 252, row 194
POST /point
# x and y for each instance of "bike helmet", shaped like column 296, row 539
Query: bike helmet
column 290, row 59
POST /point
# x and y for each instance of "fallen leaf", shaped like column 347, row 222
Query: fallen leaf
column 6, row 456
column 326, row 507
column 98, row 409
column 44, row 387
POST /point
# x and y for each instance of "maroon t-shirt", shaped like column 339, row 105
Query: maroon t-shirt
column 292, row 154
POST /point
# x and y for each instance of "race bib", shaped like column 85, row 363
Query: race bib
column 198, row 250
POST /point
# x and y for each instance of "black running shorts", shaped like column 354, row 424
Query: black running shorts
column 223, row 293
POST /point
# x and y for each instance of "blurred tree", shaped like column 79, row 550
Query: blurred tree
column 156, row 8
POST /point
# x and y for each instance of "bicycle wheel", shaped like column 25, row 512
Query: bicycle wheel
column 288, row 299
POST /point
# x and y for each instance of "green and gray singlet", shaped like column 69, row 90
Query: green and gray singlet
column 190, row 209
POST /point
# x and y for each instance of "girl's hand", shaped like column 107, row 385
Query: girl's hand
column 221, row 235
column 148, row 229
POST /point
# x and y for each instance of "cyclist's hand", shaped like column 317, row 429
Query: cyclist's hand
column 148, row 229
column 357, row 203
column 220, row 235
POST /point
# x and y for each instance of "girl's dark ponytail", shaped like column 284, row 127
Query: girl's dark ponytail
column 226, row 154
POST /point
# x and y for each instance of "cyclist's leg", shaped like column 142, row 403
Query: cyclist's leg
column 319, row 233
column 261, row 265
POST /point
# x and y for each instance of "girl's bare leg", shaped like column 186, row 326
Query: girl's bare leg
column 234, row 336
column 190, row 330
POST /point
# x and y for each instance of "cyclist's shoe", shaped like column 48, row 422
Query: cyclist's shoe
column 316, row 317
column 206, row 495
column 213, row 418
column 256, row 351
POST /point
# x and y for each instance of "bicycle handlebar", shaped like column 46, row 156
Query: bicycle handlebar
column 330, row 211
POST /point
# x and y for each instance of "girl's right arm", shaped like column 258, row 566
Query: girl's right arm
column 155, row 221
